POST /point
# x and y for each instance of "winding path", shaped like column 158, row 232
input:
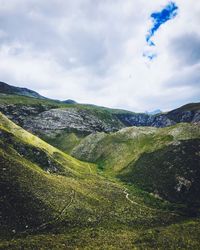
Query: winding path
column 127, row 197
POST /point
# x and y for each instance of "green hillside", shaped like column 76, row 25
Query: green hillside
column 32, row 172
column 114, row 151
column 120, row 188
column 165, row 161
column 171, row 172
column 50, row 200
column 65, row 125
column 30, row 146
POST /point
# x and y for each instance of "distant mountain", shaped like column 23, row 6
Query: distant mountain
column 187, row 113
column 8, row 89
column 69, row 101
column 154, row 112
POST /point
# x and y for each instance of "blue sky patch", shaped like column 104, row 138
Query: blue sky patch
column 169, row 12
column 149, row 55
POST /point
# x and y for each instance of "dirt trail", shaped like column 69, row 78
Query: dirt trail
column 127, row 197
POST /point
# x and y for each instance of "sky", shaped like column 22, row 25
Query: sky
column 138, row 55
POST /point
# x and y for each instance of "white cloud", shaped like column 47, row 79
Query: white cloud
column 91, row 51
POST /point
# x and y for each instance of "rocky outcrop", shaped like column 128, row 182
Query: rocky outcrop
column 20, row 113
column 160, row 120
column 47, row 117
column 49, row 120
column 71, row 119
column 184, row 116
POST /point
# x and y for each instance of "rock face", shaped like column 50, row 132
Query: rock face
column 20, row 113
column 184, row 116
column 160, row 120
column 46, row 119
column 71, row 119
column 41, row 119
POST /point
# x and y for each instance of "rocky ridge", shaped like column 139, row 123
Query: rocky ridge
column 42, row 118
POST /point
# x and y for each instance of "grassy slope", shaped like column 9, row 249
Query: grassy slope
column 171, row 172
column 30, row 194
column 183, row 235
column 67, row 140
column 115, row 151
column 69, row 163
column 161, row 161
column 74, row 206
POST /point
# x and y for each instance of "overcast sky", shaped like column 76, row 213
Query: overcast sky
column 132, row 54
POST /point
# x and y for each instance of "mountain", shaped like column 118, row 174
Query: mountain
column 69, row 101
column 64, row 125
column 50, row 200
column 154, row 112
column 30, row 190
column 8, row 89
column 186, row 113
column 164, row 161
column 121, row 187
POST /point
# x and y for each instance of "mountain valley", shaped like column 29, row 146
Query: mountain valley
column 80, row 176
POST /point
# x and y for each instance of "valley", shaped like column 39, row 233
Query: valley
column 79, row 176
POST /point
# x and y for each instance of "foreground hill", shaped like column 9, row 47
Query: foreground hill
column 30, row 188
column 50, row 200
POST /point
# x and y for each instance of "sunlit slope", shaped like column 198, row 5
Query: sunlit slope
column 164, row 162
column 46, row 155
column 114, row 151
column 49, row 200
column 64, row 124
column 42, row 188
column 36, row 179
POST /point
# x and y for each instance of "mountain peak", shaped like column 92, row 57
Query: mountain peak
column 154, row 112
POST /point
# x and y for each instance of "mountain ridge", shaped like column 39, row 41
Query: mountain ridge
column 64, row 125
column 9, row 89
column 94, row 182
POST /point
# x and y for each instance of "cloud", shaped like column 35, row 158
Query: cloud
column 188, row 78
column 186, row 48
column 92, row 51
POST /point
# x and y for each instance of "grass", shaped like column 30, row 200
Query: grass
column 25, row 137
column 164, row 162
column 69, row 205
column 115, row 151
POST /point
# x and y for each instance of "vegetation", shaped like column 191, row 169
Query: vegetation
column 136, row 188
column 70, row 204
column 116, row 150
